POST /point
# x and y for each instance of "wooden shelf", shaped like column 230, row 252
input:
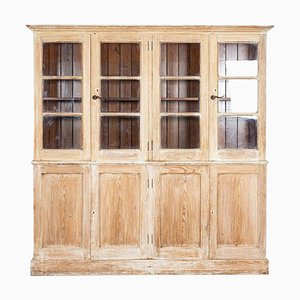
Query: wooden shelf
column 62, row 98
column 180, row 114
column 119, row 114
column 238, row 78
column 237, row 114
column 62, row 77
column 180, row 77
column 120, row 77
column 179, row 99
column 61, row 114
column 119, row 99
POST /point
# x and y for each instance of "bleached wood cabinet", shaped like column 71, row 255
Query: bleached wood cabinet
column 149, row 153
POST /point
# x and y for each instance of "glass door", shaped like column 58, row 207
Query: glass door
column 62, row 70
column 237, row 97
column 179, row 93
column 119, row 94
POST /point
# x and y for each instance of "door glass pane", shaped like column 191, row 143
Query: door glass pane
column 62, row 132
column 120, row 96
column 62, row 96
column 237, row 132
column 239, row 96
column 238, row 59
column 120, row 132
column 62, row 59
column 180, row 59
column 120, row 59
column 180, row 95
column 180, row 132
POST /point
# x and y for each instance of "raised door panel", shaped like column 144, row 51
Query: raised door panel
column 62, row 212
column 181, row 212
column 238, row 211
column 118, row 212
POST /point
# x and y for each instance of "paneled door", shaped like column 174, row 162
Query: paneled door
column 179, row 107
column 119, row 96
column 181, row 211
column 119, row 212
column 237, row 97
column 237, row 198
column 62, row 206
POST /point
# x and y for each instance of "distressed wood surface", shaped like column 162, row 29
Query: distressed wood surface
column 149, row 267
column 142, row 208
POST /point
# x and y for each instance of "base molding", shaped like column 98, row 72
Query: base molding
column 148, row 267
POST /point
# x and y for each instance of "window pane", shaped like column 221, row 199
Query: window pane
column 180, row 95
column 238, row 59
column 62, row 96
column 120, row 133
column 62, row 133
column 180, row 132
column 120, row 96
column 62, row 59
column 120, row 59
column 240, row 96
column 180, row 59
column 237, row 132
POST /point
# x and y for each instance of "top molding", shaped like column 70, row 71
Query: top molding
column 185, row 28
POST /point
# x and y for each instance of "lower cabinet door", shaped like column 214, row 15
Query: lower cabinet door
column 61, row 212
column 181, row 212
column 237, row 211
column 118, row 211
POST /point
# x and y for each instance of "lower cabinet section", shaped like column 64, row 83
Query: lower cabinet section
column 149, row 218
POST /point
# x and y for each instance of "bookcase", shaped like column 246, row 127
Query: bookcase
column 149, row 150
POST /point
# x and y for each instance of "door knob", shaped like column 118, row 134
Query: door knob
column 95, row 97
column 214, row 97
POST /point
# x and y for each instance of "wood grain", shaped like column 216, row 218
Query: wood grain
column 149, row 267
column 119, row 209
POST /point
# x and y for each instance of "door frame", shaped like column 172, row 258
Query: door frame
column 180, row 154
column 61, row 154
column 237, row 154
column 105, row 155
column 190, row 252
column 256, row 251
column 118, row 252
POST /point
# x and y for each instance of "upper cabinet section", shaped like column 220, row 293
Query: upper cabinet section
column 150, row 93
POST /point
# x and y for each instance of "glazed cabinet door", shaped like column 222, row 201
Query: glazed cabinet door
column 118, row 212
column 181, row 211
column 179, row 105
column 119, row 94
column 62, row 108
column 61, row 212
column 237, row 211
column 237, row 97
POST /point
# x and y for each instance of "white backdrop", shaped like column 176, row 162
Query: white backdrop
column 16, row 144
